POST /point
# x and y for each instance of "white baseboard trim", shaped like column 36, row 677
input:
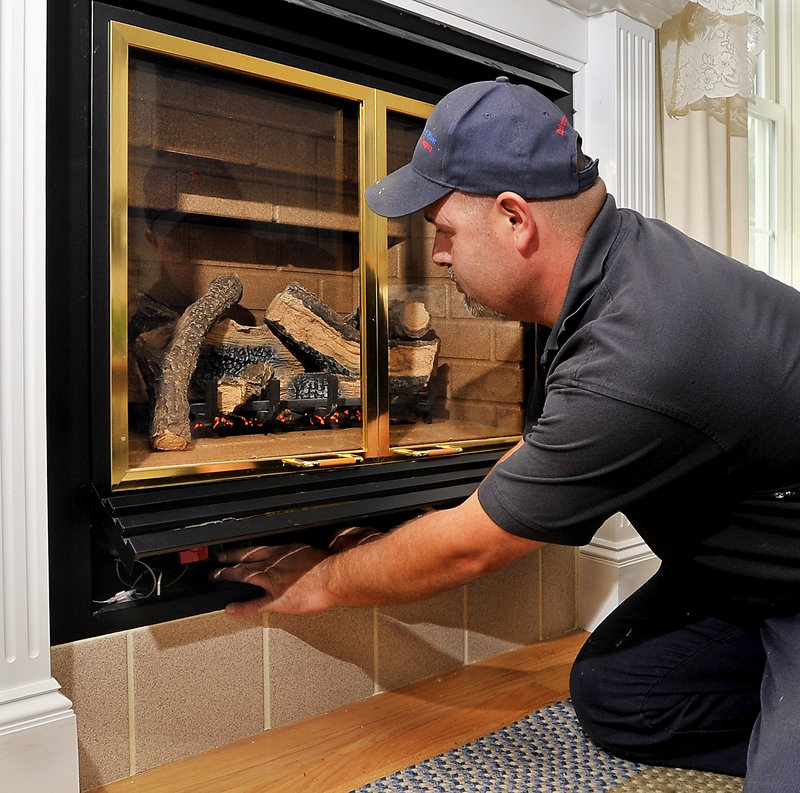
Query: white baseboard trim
column 611, row 568
column 38, row 740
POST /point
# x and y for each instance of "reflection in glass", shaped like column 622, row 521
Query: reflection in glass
column 474, row 388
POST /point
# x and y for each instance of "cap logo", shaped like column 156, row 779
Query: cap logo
column 428, row 140
column 562, row 126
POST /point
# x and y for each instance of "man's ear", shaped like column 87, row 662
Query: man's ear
column 516, row 211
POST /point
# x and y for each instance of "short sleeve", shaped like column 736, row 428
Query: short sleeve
column 588, row 457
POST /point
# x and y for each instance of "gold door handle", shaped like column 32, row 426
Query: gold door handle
column 322, row 462
column 429, row 451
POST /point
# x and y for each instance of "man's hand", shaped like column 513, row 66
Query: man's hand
column 284, row 572
column 428, row 555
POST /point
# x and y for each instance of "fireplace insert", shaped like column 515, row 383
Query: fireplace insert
column 238, row 349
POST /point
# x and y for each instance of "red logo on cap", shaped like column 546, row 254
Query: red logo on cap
column 562, row 125
column 427, row 139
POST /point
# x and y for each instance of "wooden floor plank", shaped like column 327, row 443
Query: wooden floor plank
column 346, row 748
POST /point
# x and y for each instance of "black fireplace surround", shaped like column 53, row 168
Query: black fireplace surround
column 102, row 538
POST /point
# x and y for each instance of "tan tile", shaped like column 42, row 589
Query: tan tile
column 509, row 339
column 418, row 640
column 459, row 340
column 286, row 150
column 340, row 292
column 510, row 420
column 559, row 602
column 472, row 411
column 500, row 383
column 319, row 662
column 198, row 684
column 503, row 609
column 93, row 673
column 204, row 135
column 399, row 229
column 222, row 101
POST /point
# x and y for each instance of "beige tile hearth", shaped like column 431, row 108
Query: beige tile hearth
column 503, row 609
column 148, row 696
column 559, row 590
column 420, row 639
column 318, row 662
column 93, row 673
column 197, row 684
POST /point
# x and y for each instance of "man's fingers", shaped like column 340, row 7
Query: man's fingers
column 246, row 574
column 248, row 608
column 235, row 555
column 243, row 573
column 275, row 569
column 258, row 553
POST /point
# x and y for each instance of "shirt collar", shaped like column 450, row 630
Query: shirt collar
column 587, row 273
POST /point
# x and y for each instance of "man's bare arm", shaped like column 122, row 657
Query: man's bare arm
column 428, row 555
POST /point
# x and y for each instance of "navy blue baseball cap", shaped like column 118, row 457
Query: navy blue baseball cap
column 486, row 138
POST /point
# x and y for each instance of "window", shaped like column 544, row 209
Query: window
column 763, row 123
column 773, row 176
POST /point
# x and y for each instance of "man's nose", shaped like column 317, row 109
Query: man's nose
column 439, row 255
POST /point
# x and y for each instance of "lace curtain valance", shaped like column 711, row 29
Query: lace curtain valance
column 709, row 53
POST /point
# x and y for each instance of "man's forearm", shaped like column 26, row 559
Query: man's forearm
column 428, row 555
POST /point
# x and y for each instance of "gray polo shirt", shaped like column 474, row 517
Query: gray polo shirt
column 671, row 394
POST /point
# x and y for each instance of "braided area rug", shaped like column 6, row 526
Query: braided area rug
column 545, row 752
column 677, row 780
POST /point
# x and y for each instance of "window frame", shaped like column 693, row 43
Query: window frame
column 777, row 99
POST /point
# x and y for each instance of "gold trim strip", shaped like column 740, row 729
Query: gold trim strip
column 118, row 250
column 374, row 290
column 206, row 54
column 469, row 445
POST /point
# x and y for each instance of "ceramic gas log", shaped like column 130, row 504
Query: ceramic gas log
column 170, row 429
column 208, row 374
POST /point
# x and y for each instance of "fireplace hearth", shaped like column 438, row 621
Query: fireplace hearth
column 253, row 355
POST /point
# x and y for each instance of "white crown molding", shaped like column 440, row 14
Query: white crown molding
column 652, row 12
column 535, row 27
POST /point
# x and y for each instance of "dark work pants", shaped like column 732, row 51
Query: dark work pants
column 666, row 681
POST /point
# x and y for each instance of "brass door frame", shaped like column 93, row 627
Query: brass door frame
column 374, row 105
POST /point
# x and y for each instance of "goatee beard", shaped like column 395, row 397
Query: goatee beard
column 473, row 306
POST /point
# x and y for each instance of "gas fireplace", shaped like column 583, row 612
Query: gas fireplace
column 263, row 357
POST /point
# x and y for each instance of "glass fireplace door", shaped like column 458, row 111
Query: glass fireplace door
column 238, row 269
column 263, row 319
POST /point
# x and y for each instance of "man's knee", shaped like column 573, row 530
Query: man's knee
column 611, row 718
column 627, row 720
column 639, row 714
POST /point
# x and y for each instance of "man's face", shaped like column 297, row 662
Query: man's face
column 466, row 244
column 473, row 306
